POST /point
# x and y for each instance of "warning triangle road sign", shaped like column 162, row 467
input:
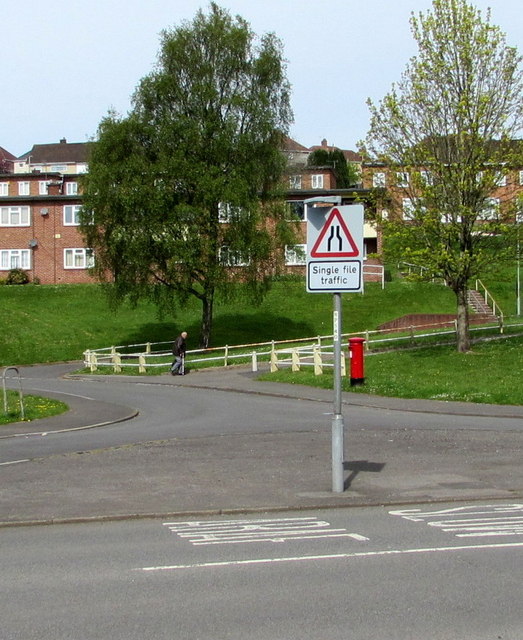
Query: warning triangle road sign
column 335, row 239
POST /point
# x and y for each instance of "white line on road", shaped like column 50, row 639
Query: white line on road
column 334, row 556
column 3, row 464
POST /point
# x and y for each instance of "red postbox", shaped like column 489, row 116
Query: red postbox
column 356, row 361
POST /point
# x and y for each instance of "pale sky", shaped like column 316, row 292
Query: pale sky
column 65, row 64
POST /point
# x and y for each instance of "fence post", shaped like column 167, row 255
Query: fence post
column 93, row 362
column 318, row 364
column 141, row 363
column 254, row 361
column 148, row 347
column 367, row 340
column 225, row 356
column 295, row 359
column 274, row 359
column 117, row 362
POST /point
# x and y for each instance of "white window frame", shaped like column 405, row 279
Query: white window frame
column 71, row 212
column 24, row 189
column 71, row 188
column 491, row 210
column 8, row 215
column 232, row 258
column 292, row 210
column 379, row 180
column 402, row 179
column 4, row 188
column 500, row 179
column 15, row 259
column 78, row 258
column 408, row 209
column 317, row 181
column 295, row 255
column 295, row 182
column 43, row 187
column 426, row 177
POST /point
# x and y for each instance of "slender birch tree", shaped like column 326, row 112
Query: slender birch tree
column 179, row 199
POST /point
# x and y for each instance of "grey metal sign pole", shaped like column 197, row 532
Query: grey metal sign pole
column 334, row 264
column 338, row 480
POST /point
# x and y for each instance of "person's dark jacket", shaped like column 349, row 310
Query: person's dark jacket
column 179, row 347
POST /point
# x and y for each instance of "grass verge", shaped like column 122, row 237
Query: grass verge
column 35, row 407
column 490, row 373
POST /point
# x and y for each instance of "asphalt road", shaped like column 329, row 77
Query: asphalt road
column 163, row 410
column 432, row 572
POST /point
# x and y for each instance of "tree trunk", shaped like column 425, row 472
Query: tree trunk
column 463, row 333
column 206, row 326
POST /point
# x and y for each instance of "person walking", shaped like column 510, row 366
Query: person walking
column 179, row 349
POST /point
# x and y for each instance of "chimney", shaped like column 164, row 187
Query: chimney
column 324, row 143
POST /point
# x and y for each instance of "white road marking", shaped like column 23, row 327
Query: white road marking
column 334, row 556
column 497, row 520
column 3, row 464
column 259, row 530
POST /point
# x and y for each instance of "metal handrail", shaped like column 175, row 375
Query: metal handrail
column 20, row 392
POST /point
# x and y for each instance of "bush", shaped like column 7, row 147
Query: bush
column 17, row 276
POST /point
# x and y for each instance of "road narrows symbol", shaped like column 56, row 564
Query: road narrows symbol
column 335, row 239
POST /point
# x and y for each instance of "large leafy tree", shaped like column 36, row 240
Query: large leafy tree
column 180, row 196
column 450, row 124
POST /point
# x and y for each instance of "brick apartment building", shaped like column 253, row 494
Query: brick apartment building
column 40, row 200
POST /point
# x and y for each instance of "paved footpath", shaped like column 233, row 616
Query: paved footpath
column 234, row 473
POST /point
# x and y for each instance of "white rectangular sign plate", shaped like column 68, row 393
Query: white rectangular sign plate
column 326, row 275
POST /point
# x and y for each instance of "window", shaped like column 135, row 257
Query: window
column 295, row 254
column 78, row 258
column 296, row 208
column 427, row 178
column 15, row 259
column 490, row 210
column 408, row 209
column 23, row 188
column 4, row 188
column 14, row 216
column 521, row 177
column 379, row 180
column 294, row 182
column 58, row 168
column 226, row 212
column 500, row 179
column 317, row 181
column 71, row 188
column 42, row 187
column 402, row 179
column 232, row 258
column 72, row 214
